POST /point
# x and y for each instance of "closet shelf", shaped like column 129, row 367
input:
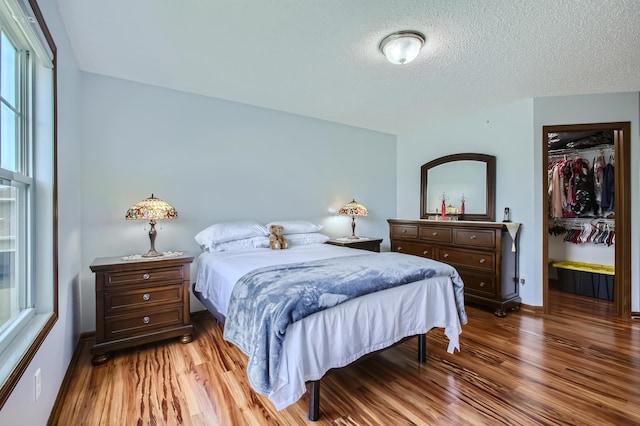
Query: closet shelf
column 578, row 151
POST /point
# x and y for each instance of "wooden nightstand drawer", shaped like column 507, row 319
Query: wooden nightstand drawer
column 475, row 237
column 142, row 322
column 147, row 276
column 440, row 235
column 468, row 259
column 115, row 302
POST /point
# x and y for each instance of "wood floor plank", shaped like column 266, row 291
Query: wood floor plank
column 578, row 365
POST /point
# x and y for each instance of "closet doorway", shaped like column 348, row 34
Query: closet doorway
column 622, row 201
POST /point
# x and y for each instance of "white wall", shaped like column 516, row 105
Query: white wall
column 505, row 131
column 215, row 161
column 54, row 355
column 600, row 108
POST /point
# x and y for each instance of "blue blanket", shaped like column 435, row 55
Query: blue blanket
column 265, row 301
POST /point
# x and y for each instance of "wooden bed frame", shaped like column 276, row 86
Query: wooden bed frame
column 314, row 386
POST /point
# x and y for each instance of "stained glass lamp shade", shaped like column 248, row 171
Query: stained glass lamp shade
column 151, row 209
column 353, row 209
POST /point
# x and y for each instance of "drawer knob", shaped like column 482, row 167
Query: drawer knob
column 473, row 237
column 146, row 276
column 482, row 260
column 445, row 255
column 425, row 252
column 146, row 320
column 404, row 231
column 146, row 296
column 482, row 284
column 434, row 234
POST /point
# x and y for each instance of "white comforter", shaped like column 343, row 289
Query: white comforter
column 334, row 337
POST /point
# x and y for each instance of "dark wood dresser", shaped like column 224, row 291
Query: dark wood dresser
column 480, row 251
column 139, row 302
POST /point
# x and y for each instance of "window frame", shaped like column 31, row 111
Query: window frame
column 39, row 324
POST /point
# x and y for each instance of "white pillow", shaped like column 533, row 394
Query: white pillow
column 243, row 244
column 230, row 231
column 296, row 226
column 306, row 238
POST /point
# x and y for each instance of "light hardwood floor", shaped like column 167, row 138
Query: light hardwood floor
column 578, row 365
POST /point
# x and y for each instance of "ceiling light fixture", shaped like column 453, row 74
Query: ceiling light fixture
column 402, row 47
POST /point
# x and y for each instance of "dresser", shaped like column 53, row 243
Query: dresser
column 481, row 252
column 139, row 302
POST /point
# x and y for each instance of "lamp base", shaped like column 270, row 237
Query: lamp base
column 353, row 237
column 152, row 238
column 152, row 253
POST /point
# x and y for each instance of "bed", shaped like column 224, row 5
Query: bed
column 338, row 329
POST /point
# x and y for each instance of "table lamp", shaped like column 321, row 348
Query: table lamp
column 152, row 209
column 353, row 209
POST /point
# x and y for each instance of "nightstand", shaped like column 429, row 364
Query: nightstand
column 363, row 243
column 139, row 302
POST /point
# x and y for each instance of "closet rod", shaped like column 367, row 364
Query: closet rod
column 583, row 220
column 564, row 151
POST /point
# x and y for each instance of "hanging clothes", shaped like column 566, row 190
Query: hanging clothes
column 608, row 188
column 571, row 189
column 556, row 191
column 587, row 233
column 598, row 170
column 583, row 192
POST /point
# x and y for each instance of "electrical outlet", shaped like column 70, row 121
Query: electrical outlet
column 38, row 382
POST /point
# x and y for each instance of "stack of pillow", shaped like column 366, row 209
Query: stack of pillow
column 248, row 234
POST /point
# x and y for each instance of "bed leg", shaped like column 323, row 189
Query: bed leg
column 314, row 400
column 422, row 348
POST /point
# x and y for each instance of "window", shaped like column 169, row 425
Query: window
column 28, row 234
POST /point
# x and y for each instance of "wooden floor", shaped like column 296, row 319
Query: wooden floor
column 578, row 365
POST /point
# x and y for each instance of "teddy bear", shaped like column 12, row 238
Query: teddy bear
column 276, row 239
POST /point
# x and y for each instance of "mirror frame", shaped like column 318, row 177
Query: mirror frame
column 490, row 163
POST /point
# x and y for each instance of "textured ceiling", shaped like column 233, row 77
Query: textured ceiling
column 320, row 58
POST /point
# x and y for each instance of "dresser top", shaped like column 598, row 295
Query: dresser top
column 118, row 263
column 458, row 223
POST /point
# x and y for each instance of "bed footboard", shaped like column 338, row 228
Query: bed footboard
column 314, row 386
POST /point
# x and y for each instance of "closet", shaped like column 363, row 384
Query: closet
column 586, row 212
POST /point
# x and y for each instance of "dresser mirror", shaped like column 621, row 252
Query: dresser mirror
column 471, row 177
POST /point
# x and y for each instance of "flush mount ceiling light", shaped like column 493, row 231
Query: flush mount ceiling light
column 402, row 47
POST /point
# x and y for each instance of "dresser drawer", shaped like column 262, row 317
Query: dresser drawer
column 417, row 249
column 115, row 302
column 469, row 259
column 142, row 322
column 404, row 231
column 149, row 276
column 474, row 237
column 436, row 234
column 480, row 284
